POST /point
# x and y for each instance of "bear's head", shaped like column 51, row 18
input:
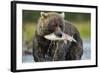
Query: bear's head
column 50, row 22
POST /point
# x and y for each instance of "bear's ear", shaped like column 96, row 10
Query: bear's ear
column 62, row 14
column 44, row 15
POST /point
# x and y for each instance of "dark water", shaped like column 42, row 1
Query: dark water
column 86, row 53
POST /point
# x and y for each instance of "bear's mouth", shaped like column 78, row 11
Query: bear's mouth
column 65, row 37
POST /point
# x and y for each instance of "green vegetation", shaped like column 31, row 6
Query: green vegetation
column 84, row 29
column 29, row 31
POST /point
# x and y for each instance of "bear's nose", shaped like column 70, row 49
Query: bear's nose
column 58, row 34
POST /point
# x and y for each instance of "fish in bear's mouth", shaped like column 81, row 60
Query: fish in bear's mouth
column 65, row 37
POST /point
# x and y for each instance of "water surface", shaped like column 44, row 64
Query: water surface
column 86, row 53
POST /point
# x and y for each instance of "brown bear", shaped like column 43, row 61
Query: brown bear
column 56, row 39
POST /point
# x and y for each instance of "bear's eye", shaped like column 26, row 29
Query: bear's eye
column 55, row 25
column 61, row 26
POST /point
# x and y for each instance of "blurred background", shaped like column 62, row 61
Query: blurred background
column 30, row 18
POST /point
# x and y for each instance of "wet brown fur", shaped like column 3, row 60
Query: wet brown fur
column 44, row 50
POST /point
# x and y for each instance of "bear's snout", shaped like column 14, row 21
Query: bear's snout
column 58, row 34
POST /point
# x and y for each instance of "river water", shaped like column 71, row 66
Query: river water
column 86, row 53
